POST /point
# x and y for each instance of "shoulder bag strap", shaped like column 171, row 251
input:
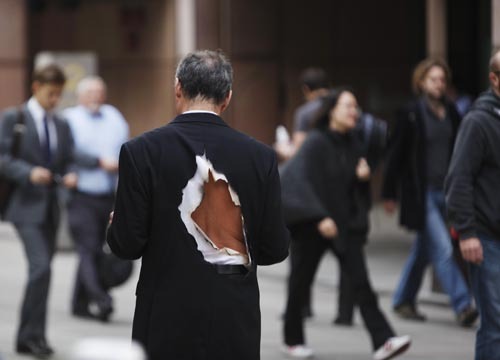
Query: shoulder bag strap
column 19, row 128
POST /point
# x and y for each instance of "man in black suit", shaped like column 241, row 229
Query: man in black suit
column 45, row 153
column 201, row 203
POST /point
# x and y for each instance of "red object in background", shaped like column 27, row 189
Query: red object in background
column 454, row 234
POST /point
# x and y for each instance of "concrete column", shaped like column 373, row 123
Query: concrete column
column 185, row 23
column 436, row 28
column 495, row 23
column 13, row 52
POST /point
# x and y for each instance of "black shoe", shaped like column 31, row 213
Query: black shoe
column 104, row 313
column 467, row 317
column 85, row 314
column 43, row 343
column 34, row 348
column 96, row 312
column 409, row 312
column 307, row 312
column 342, row 321
column 101, row 310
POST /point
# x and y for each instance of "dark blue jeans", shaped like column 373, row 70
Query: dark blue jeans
column 433, row 245
column 485, row 279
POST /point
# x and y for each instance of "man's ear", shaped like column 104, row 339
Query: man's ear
column 494, row 79
column 178, row 89
column 35, row 86
column 226, row 101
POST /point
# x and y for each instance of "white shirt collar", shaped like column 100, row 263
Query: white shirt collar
column 36, row 110
column 199, row 111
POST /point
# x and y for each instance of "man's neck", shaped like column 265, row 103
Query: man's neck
column 496, row 91
column 37, row 104
column 436, row 106
column 202, row 106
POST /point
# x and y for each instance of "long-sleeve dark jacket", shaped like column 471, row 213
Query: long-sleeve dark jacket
column 320, row 181
column 405, row 175
column 185, row 309
column 473, row 181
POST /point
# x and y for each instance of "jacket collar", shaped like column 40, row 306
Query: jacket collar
column 199, row 117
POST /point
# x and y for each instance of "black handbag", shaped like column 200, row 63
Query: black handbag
column 6, row 185
column 112, row 270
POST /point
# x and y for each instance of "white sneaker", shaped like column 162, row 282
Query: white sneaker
column 298, row 351
column 393, row 347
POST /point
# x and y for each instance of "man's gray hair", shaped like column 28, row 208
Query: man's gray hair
column 205, row 74
column 84, row 83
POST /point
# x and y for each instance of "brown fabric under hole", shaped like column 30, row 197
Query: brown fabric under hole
column 219, row 218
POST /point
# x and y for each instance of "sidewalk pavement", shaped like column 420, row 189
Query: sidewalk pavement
column 439, row 338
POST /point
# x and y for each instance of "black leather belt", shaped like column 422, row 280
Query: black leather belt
column 230, row 269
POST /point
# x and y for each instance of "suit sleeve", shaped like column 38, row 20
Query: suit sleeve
column 12, row 168
column 128, row 233
column 274, row 240
column 465, row 164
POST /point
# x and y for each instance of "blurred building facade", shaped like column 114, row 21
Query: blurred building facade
column 370, row 45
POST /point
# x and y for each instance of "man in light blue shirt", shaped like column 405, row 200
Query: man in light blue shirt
column 99, row 130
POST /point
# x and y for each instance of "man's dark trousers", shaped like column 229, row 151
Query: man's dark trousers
column 39, row 244
column 88, row 217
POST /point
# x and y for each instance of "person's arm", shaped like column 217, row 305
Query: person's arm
column 274, row 237
column 300, row 128
column 466, row 162
column 13, row 168
column 300, row 198
column 128, row 233
column 394, row 161
column 298, row 138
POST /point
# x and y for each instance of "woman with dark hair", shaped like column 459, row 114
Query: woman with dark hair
column 319, row 188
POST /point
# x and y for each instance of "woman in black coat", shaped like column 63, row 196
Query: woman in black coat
column 320, row 186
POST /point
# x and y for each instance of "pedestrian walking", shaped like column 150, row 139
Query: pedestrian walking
column 319, row 188
column 42, row 163
column 201, row 204
column 98, row 130
column 473, row 203
column 416, row 165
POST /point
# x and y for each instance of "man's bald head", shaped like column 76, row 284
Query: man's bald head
column 91, row 92
column 495, row 62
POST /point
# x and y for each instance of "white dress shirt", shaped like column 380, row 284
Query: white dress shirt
column 37, row 113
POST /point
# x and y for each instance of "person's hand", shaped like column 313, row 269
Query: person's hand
column 40, row 176
column 284, row 150
column 363, row 170
column 390, row 206
column 110, row 165
column 111, row 217
column 70, row 180
column 472, row 250
column 327, row 228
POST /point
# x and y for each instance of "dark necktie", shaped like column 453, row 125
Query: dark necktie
column 47, row 152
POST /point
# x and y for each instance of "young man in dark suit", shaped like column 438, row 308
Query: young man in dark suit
column 45, row 153
column 201, row 204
